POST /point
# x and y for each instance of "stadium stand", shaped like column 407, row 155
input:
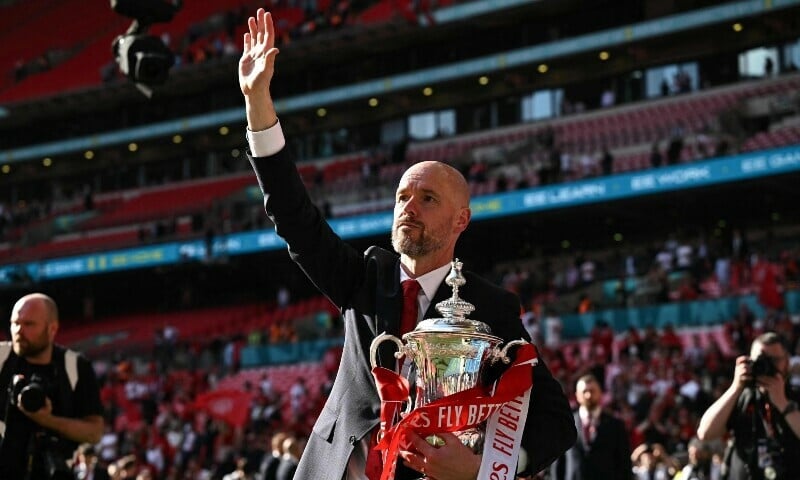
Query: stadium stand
column 167, row 338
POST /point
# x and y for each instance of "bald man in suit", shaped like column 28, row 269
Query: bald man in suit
column 431, row 211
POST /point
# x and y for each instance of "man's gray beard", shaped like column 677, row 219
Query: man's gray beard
column 404, row 245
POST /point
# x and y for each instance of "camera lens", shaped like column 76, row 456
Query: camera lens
column 32, row 397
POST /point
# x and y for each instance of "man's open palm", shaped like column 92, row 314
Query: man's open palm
column 258, row 58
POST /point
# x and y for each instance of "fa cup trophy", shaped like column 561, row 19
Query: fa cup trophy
column 450, row 354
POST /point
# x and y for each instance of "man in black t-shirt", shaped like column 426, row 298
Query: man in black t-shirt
column 40, row 433
column 760, row 413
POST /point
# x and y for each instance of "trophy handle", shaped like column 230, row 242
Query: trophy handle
column 373, row 348
column 502, row 355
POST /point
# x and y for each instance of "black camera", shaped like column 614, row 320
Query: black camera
column 32, row 393
column 763, row 366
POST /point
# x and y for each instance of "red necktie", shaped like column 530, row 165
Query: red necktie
column 408, row 320
column 587, row 431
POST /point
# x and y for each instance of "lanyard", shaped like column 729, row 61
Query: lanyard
column 766, row 419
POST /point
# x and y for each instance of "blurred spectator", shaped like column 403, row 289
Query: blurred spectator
column 651, row 462
column 686, row 290
column 769, row 66
column 298, row 397
column 283, row 297
column 675, row 147
column 88, row 466
column 694, row 354
column 269, row 467
column 664, row 87
column 670, row 340
column 683, row 82
column 655, row 155
column 608, row 98
column 602, row 449
column 531, row 326
column 585, row 304
column 243, row 471
column 552, row 328
column 700, row 466
column 292, row 449
column 607, row 162
column 602, row 338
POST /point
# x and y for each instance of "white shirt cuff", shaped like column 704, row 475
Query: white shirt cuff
column 266, row 142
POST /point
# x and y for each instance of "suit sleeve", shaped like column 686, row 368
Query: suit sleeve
column 550, row 429
column 335, row 267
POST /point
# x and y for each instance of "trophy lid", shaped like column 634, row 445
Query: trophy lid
column 454, row 311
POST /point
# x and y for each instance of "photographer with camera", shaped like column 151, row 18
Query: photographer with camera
column 757, row 410
column 49, row 396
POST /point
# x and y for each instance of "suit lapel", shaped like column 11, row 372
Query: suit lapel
column 388, row 306
column 442, row 293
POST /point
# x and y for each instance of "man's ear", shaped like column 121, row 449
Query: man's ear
column 462, row 219
column 52, row 329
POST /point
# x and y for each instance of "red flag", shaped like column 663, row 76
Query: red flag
column 230, row 406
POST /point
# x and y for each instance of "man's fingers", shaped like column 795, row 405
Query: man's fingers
column 252, row 25
column 270, row 30
column 262, row 25
column 247, row 40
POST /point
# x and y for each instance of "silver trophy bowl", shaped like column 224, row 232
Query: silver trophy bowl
column 449, row 353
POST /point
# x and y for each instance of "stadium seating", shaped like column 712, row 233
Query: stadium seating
column 788, row 135
column 167, row 201
column 136, row 333
column 281, row 376
column 84, row 41
column 637, row 125
column 82, row 49
column 633, row 129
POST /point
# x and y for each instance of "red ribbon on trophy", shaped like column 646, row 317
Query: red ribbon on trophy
column 505, row 410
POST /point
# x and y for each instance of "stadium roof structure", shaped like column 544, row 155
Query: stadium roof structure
column 572, row 59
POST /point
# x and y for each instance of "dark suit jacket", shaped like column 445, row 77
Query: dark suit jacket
column 286, row 470
column 269, row 467
column 607, row 456
column 366, row 287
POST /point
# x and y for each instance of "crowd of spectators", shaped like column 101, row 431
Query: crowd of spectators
column 678, row 269
column 657, row 383
column 657, row 380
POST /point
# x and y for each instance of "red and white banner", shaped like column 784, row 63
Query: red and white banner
column 505, row 410
column 230, row 406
